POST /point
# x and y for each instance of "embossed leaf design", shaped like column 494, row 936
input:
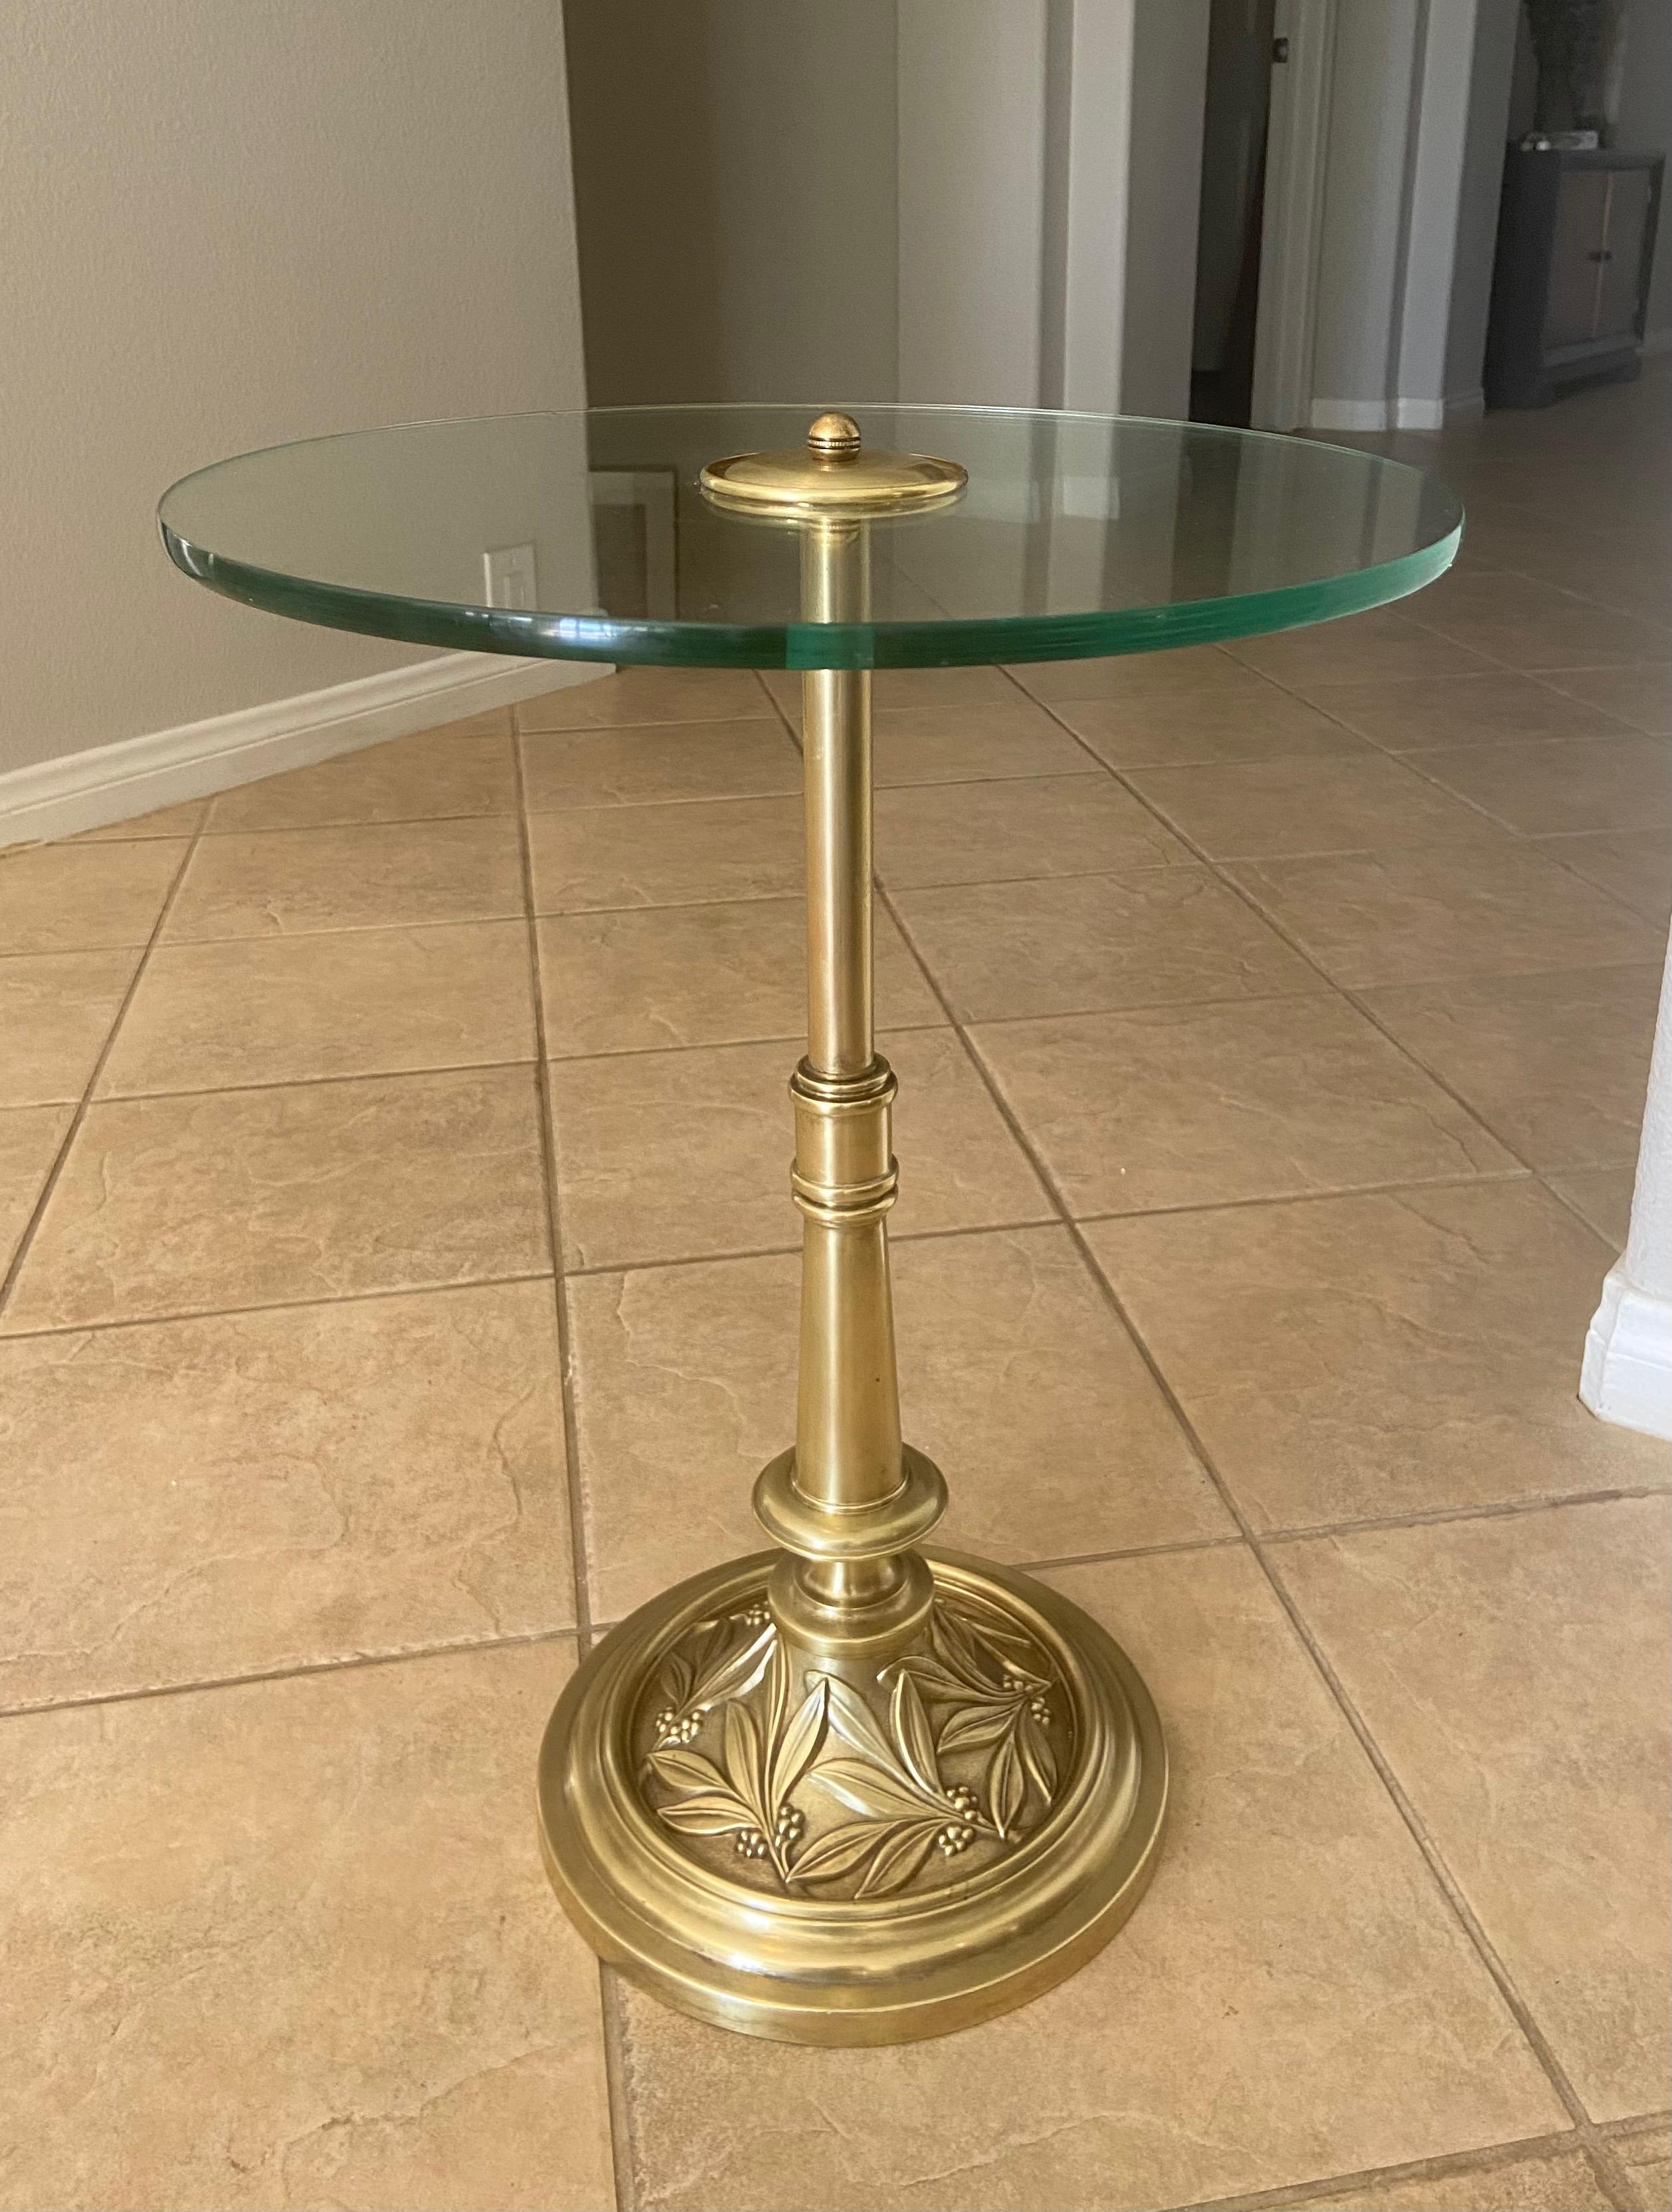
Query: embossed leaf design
column 899, row 1859
column 853, row 1720
column 798, row 1745
column 840, row 1850
column 896, row 1849
column 1037, row 1756
column 876, row 1791
column 715, row 1812
column 911, row 1733
column 736, row 1674
column 686, row 1770
column 1006, row 1785
column 975, row 1728
column 745, row 1767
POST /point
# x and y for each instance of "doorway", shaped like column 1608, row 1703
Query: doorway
column 1236, row 127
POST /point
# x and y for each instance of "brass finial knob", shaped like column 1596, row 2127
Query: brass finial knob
column 834, row 437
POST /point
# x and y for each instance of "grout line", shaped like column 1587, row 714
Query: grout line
column 26, row 1243
column 1431, row 1854
column 267, row 1305
column 314, row 1082
column 611, row 2024
column 1223, row 871
column 1434, row 1515
column 303, row 1670
column 1488, row 2158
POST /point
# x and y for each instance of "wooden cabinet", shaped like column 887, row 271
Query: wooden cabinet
column 1576, row 233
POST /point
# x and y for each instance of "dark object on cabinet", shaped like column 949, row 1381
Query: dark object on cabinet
column 1575, row 235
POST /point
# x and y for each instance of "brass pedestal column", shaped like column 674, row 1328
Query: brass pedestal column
column 848, row 1791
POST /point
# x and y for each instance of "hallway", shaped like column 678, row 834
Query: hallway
column 1272, row 1024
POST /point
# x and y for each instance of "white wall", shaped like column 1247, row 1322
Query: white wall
column 229, row 222
column 1481, row 188
column 1418, row 113
column 734, row 181
column 1362, row 244
column 1626, row 1375
column 972, row 182
column 1644, row 125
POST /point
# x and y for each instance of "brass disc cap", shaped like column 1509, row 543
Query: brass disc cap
column 833, row 474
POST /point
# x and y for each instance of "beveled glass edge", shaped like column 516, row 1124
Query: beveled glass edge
column 944, row 642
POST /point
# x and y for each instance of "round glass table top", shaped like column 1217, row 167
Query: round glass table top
column 589, row 537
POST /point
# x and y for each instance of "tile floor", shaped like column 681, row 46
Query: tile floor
column 1272, row 1025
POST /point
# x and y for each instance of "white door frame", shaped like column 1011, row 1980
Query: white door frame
column 1297, row 145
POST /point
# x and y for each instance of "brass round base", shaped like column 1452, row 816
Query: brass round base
column 840, row 1850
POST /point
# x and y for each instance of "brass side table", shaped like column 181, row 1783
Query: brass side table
column 852, row 1789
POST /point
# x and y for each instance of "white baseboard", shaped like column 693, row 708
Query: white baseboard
column 112, row 783
column 1402, row 415
column 1349, row 415
column 1627, row 1373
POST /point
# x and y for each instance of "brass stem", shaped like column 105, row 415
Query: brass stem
column 848, row 1453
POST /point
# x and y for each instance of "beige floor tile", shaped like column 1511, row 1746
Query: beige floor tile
column 1350, row 1358
column 1514, row 1673
column 954, row 744
column 1571, row 637
column 56, row 1011
column 1601, row 1196
column 1635, row 864
column 674, row 855
column 243, row 1197
column 290, row 1943
column 1293, row 1936
column 160, row 822
column 1175, row 1106
column 491, row 722
column 1133, row 676
column 1562, row 2181
column 1410, row 916
column 29, row 1141
column 414, row 779
column 352, row 1002
column 676, row 1156
column 1554, row 1065
column 1059, row 825
column 189, row 1500
column 1641, row 695
column 1249, row 720
column 1488, row 708
column 80, row 898
column 1016, row 1377
column 1277, row 808
column 893, row 687
column 1376, row 647
column 647, row 695
column 288, row 882
column 1587, row 783
column 1088, row 944
column 1647, row 2160
column 659, row 976
column 566, row 769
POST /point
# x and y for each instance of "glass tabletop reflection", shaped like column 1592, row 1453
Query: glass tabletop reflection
column 588, row 536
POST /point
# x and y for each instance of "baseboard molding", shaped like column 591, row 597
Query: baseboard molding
column 112, row 783
column 1626, row 1376
column 1349, row 415
column 1400, row 415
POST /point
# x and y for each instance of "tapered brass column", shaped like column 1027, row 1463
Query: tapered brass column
column 848, row 1497
column 848, row 1791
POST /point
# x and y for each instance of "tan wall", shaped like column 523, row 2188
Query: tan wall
column 229, row 223
column 735, row 174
